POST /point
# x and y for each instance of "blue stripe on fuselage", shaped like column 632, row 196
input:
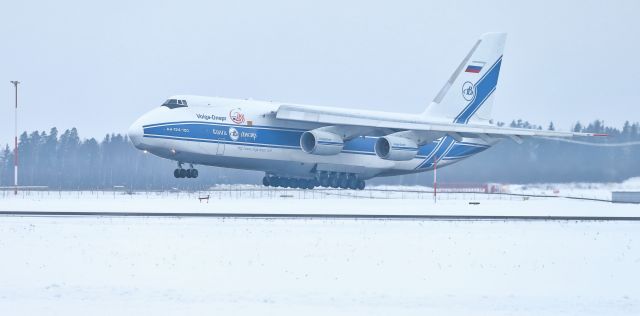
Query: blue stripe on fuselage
column 438, row 152
column 283, row 138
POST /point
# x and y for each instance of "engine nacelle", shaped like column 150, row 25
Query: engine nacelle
column 321, row 143
column 396, row 148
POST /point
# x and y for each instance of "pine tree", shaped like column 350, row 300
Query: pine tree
column 5, row 162
column 578, row 127
column 626, row 130
column 551, row 127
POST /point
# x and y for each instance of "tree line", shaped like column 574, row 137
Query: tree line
column 65, row 161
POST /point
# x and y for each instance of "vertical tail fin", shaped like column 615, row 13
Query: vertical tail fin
column 468, row 94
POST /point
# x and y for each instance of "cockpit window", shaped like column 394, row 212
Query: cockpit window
column 175, row 103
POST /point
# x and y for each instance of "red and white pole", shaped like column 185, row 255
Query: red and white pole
column 15, row 148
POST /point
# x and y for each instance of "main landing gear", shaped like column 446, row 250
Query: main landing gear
column 273, row 181
column 325, row 179
column 185, row 173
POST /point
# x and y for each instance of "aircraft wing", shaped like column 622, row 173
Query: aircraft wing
column 392, row 121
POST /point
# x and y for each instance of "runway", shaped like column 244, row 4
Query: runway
column 337, row 216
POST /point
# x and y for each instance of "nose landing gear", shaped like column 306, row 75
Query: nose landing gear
column 185, row 173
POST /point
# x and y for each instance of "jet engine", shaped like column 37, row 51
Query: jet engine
column 396, row 148
column 321, row 143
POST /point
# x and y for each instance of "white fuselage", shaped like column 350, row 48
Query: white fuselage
column 245, row 134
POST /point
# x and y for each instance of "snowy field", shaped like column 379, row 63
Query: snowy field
column 375, row 200
column 161, row 266
column 229, row 266
column 453, row 204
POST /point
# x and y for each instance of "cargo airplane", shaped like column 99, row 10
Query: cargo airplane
column 304, row 146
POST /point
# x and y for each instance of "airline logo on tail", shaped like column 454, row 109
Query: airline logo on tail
column 480, row 92
column 475, row 67
column 468, row 91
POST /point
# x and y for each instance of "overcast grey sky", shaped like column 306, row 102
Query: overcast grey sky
column 98, row 66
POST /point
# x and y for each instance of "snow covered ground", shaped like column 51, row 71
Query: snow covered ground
column 195, row 266
column 497, row 206
column 377, row 200
column 580, row 189
column 189, row 266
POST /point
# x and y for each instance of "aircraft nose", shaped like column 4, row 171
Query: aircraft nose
column 135, row 134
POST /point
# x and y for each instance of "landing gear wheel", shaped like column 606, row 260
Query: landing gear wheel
column 343, row 182
column 176, row 173
column 352, row 183
column 183, row 173
column 194, row 173
column 308, row 184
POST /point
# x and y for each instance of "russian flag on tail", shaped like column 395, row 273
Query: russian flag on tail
column 475, row 67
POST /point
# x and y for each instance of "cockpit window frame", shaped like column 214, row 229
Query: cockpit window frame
column 175, row 103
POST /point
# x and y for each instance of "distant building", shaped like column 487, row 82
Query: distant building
column 625, row 197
